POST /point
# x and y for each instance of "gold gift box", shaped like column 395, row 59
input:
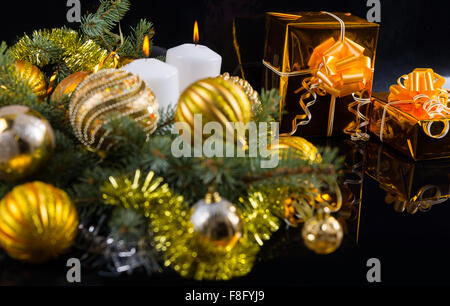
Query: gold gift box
column 290, row 42
column 410, row 186
column 405, row 132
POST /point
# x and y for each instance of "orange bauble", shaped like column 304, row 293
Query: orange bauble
column 67, row 86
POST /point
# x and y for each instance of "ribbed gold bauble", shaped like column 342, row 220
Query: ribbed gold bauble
column 252, row 94
column 107, row 95
column 301, row 146
column 216, row 100
column 38, row 222
column 67, row 86
column 33, row 76
column 26, row 142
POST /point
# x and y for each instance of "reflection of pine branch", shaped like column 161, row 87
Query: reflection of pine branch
column 284, row 172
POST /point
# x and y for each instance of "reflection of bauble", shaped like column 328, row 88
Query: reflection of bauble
column 322, row 234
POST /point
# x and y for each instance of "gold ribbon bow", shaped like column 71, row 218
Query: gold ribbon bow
column 420, row 94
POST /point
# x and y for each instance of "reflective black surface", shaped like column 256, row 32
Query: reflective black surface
column 412, row 246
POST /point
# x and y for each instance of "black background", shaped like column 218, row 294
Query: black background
column 413, row 249
column 413, row 33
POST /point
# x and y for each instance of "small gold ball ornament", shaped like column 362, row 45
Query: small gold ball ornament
column 323, row 233
column 26, row 142
column 38, row 222
column 217, row 223
column 67, row 86
column 252, row 94
column 33, row 76
column 106, row 95
column 216, row 100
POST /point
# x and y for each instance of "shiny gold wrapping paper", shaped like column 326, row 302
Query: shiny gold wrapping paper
column 290, row 41
column 409, row 185
column 404, row 132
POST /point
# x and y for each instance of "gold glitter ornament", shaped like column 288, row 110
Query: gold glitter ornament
column 33, row 77
column 216, row 222
column 252, row 94
column 216, row 100
column 67, row 86
column 26, row 142
column 38, row 222
column 323, row 233
column 107, row 95
column 301, row 146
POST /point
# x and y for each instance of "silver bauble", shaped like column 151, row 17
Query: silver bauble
column 26, row 142
column 217, row 222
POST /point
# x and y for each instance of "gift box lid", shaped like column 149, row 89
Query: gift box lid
column 311, row 19
column 291, row 38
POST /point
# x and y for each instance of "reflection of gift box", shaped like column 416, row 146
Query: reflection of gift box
column 410, row 186
column 318, row 63
column 350, row 182
column 407, row 128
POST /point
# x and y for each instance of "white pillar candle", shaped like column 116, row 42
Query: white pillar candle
column 162, row 79
column 194, row 62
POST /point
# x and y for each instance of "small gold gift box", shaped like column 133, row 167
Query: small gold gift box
column 409, row 186
column 322, row 64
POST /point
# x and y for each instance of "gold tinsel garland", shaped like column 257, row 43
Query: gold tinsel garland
column 173, row 233
column 66, row 46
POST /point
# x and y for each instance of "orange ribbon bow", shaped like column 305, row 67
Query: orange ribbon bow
column 341, row 67
column 420, row 94
column 421, row 82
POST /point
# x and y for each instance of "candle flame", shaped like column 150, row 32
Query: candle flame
column 102, row 62
column 146, row 46
column 196, row 34
column 52, row 82
column 97, row 67
column 116, row 60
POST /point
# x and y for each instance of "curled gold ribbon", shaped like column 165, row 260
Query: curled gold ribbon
column 420, row 93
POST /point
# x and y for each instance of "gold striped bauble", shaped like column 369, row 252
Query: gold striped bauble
column 38, row 222
column 216, row 100
column 252, row 94
column 107, row 95
column 298, row 145
column 33, row 76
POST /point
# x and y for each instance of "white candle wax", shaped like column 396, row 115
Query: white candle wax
column 194, row 62
column 162, row 79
